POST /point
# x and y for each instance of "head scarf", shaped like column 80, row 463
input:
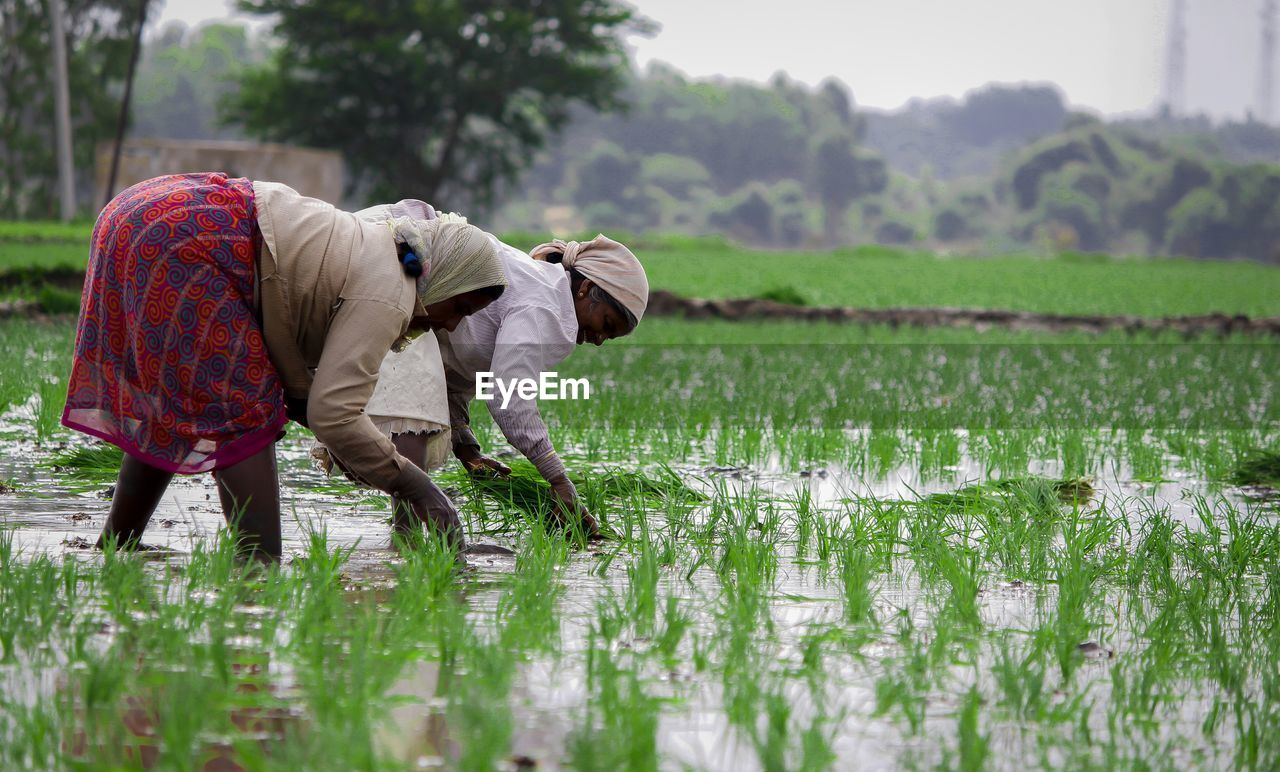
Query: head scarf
column 456, row 257
column 405, row 207
column 608, row 264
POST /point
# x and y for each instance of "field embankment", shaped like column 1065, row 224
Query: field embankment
column 665, row 303
column 710, row 279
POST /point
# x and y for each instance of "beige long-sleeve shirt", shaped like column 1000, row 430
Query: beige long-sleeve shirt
column 334, row 300
column 530, row 329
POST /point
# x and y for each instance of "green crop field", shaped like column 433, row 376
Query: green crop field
column 43, row 245
column 883, row 278
column 42, row 256
column 867, row 277
column 914, row 547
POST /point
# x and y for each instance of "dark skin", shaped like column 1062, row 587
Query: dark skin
column 597, row 322
column 449, row 313
column 249, row 490
column 406, row 523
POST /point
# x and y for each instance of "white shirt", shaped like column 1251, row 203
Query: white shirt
column 530, row 329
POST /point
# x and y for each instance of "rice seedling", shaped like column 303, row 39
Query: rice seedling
column 31, row 232
column 619, row 727
column 32, row 353
column 1022, row 677
column 98, row 462
column 1260, row 469
column 879, row 277
column 641, row 604
column 524, row 490
column 807, row 517
column 858, row 571
column 1034, row 604
column 975, row 747
column 478, row 689
column 527, row 609
column 905, row 683
column 1071, row 627
column 673, row 629
column 979, row 497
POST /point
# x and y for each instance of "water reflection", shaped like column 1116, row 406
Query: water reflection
column 148, row 727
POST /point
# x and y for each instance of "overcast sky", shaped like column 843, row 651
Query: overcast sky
column 1107, row 55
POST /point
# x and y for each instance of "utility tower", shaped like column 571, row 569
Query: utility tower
column 1175, row 68
column 1267, row 65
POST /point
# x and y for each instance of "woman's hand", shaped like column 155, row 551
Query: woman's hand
column 569, row 511
column 480, row 465
column 437, row 511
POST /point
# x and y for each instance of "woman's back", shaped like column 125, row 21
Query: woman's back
column 316, row 256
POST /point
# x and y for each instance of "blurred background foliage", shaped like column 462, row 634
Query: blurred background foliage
column 99, row 40
column 530, row 117
column 1007, row 168
column 444, row 100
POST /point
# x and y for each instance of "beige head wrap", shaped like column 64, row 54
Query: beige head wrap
column 607, row 263
column 456, row 257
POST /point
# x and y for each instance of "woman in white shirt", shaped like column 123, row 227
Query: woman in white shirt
column 559, row 295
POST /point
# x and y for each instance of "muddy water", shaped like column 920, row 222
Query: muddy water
column 832, row 486
column 49, row 514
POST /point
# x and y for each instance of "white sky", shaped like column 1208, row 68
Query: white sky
column 1105, row 54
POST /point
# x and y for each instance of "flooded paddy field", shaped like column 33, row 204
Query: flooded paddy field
column 894, row 550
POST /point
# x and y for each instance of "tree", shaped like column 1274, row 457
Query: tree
column 1194, row 220
column 1252, row 228
column 949, row 224
column 746, row 215
column 609, row 190
column 605, row 174
column 1063, row 205
column 677, row 175
column 838, row 97
column 790, row 213
column 739, row 132
column 1002, row 113
column 895, row 231
column 184, row 75
column 841, row 176
column 443, row 100
column 99, row 36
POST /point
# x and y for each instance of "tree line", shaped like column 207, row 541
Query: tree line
column 514, row 110
column 1008, row 168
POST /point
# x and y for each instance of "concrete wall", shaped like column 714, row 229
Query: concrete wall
column 315, row 173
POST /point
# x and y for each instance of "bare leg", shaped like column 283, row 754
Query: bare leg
column 138, row 491
column 404, row 521
column 250, row 495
